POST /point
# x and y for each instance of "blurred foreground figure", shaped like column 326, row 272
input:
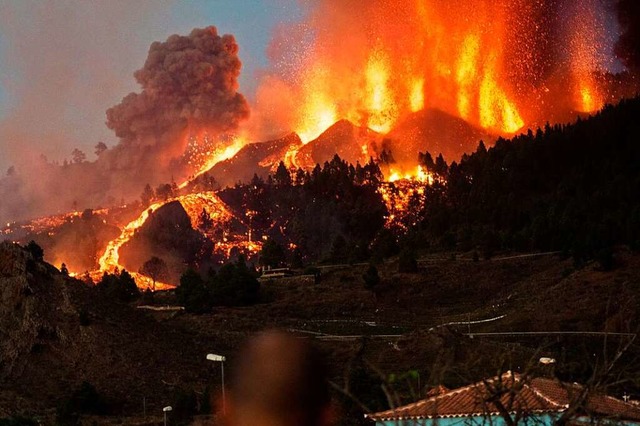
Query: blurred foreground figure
column 278, row 380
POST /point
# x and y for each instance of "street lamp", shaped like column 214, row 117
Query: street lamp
column 165, row 410
column 221, row 359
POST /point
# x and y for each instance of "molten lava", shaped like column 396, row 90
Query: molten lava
column 498, row 64
column 204, row 152
column 193, row 205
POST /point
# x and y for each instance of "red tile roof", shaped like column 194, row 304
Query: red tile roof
column 511, row 393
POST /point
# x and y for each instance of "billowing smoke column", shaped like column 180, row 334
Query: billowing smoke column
column 189, row 86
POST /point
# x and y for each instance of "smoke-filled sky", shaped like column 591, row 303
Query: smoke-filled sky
column 63, row 63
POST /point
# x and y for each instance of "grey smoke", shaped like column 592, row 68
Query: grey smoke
column 189, row 83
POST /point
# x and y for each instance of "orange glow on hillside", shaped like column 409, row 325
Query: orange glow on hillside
column 214, row 154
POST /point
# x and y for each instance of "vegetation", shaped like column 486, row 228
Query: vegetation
column 371, row 278
column 407, row 261
column 167, row 234
column 235, row 284
column 18, row 421
column 83, row 400
column 35, row 250
column 332, row 213
column 119, row 286
column 193, row 293
column 156, row 269
column 272, row 254
column 570, row 188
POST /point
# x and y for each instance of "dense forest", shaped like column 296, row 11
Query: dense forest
column 331, row 213
column 571, row 188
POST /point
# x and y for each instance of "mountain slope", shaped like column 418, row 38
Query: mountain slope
column 56, row 332
column 348, row 141
column 434, row 131
column 260, row 157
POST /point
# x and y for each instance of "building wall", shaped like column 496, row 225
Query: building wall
column 532, row 420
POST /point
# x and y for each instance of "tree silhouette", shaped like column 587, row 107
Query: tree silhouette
column 35, row 250
column 147, row 195
column 272, row 254
column 100, row 148
column 205, row 223
column 371, row 277
column 78, row 156
column 156, row 269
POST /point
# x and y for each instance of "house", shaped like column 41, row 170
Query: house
column 512, row 399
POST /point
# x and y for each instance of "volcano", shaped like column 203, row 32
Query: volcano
column 259, row 158
column 350, row 142
column 434, row 131
column 426, row 130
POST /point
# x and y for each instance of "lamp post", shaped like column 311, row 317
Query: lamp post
column 221, row 359
column 165, row 410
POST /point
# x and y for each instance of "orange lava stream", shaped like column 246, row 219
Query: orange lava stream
column 109, row 261
column 193, row 205
column 220, row 154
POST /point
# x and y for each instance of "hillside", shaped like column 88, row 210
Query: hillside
column 348, row 141
column 434, row 131
column 127, row 353
column 56, row 332
column 571, row 188
column 570, row 191
column 260, row 157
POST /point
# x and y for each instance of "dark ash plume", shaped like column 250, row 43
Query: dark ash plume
column 189, row 83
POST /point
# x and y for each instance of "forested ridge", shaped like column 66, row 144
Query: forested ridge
column 571, row 188
column 565, row 187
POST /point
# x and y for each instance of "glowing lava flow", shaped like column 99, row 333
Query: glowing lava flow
column 193, row 205
column 215, row 156
column 109, row 261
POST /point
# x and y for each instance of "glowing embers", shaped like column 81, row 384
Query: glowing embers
column 319, row 111
column 419, row 174
column 496, row 111
column 499, row 65
column 404, row 200
column 203, row 152
column 416, row 96
column 382, row 111
column 586, row 58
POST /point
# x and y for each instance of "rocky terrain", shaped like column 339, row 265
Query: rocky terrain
column 57, row 332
